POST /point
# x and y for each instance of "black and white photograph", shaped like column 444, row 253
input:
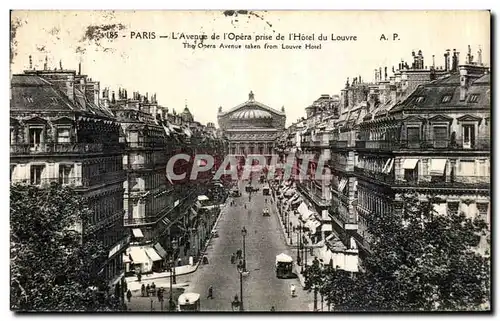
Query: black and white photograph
column 247, row 161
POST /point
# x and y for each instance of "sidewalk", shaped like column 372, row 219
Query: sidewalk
column 179, row 270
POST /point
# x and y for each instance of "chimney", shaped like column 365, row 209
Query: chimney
column 113, row 97
column 447, row 65
column 379, row 73
column 433, row 62
column 464, row 83
column 479, row 56
column 45, row 64
column 469, row 60
column 79, row 68
column 31, row 63
column 376, row 75
column 60, row 65
column 385, row 73
column 454, row 61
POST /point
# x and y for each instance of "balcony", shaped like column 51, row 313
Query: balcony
column 339, row 144
column 342, row 217
column 73, row 182
column 479, row 144
column 374, row 175
column 377, row 144
column 455, row 182
column 62, row 148
column 304, row 190
column 139, row 166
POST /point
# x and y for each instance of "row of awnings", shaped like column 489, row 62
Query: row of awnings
column 437, row 165
column 145, row 254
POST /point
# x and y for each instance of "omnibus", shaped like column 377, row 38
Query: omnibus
column 284, row 266
column 189, row 302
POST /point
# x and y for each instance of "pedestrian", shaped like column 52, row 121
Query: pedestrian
column 179, row 262
column 273, row 309
column 159, row 295
column 153, row 286
column 129, row 295
column 233, row 259
column 292, row 290
column 139, row 276
column 210, row 293
column 143, row 290
column 147, row 289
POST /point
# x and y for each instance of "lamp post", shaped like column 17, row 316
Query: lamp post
column 244, row 234
column 171, row 298
column 240, row 271
column 174, row 246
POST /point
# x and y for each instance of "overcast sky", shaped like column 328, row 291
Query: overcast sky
column 211, row 78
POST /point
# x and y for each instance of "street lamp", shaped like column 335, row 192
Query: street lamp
column 241, row 270
column 244, row 234
column 174, row 246
column 171, row 298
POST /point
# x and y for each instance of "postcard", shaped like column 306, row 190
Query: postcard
column 243, row 161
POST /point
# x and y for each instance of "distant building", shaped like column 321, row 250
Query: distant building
column 251, row 127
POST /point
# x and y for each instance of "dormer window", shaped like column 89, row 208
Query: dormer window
column 446, row 99
column 473, row 98
column 419, row 99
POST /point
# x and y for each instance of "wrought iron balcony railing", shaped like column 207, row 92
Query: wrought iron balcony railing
column 63, row 148
column 456, row 181
column 481, row 143
column 378, row 176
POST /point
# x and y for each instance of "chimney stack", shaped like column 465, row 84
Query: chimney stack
column 31, row 63
column 385, row 73
column 60, row 65
column 80, row 68
column 113, row 97
column 447, row 60
column 433, row 62
column 464, row 83
column 479, row 56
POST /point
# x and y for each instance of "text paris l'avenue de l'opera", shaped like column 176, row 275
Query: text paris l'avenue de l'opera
column 254, row 164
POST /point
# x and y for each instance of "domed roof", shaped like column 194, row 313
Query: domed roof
column 252, row 113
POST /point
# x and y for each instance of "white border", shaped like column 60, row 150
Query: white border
column 190, row 4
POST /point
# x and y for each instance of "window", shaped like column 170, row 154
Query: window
column 446, row 99
column 453, row 207
column 419, row 99
column 64, row 173
column 468, row 136
column 482, row 209
column 440, row 136
column 413, row 136
column 13, row 135
column 261, row 150
column 35, row 136
column 63, row 135
column 36, row 174
column 474, row 98
column 233, row 150
column 410, row 175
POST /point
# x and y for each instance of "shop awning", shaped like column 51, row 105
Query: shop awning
column 167, row 131
column 152, row 254
column 188, row 132
column 203, row 198
column 137, row 233
column 438, row 165
column 160, row 250
column 138, row 255
column 303, row 210
column 326, row 228
column 410, row 163
column 296, row 201
column 290, row 192
column 342, row 184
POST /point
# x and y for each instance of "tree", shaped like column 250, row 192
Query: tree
column 54, row 265
column 420, row 261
